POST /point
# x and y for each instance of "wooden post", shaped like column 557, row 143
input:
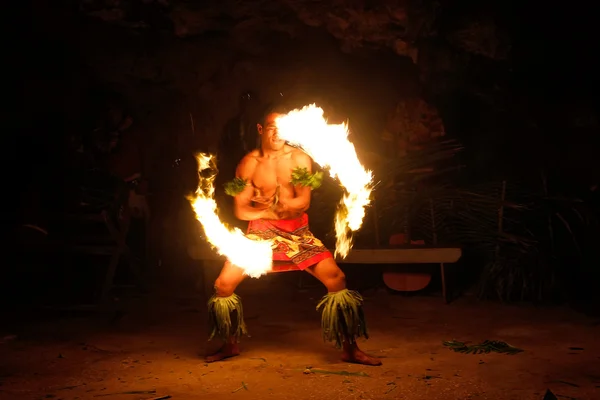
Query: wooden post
column 376, row 223
column 120, row 237
column 501, row 216
column 435, row 242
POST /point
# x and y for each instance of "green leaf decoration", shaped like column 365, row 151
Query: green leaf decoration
column 342, row 317
column 220, row 310
column 235, row 186
column 486, row 347
column 301, row 176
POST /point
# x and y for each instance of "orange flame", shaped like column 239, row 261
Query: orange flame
column 254, row 257
column 328, row 145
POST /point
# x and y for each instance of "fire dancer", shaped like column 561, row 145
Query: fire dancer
column 272, row 191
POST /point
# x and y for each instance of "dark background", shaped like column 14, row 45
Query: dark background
column 513, row 82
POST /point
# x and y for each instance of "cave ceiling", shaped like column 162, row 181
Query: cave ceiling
column 399, row 25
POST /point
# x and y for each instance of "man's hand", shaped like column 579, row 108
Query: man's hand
column 263, row 200
column 270, row 213
column 285, row 212
column 275, row 211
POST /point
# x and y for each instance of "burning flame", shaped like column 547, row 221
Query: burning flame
column 254, row 257
column 328, row 145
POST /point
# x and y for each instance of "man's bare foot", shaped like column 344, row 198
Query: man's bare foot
column 228, row 350
column 353, row 354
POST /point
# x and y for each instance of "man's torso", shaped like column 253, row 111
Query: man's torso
column 272, row 176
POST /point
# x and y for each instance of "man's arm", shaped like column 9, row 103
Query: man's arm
column 301, row 202
column 242, row 203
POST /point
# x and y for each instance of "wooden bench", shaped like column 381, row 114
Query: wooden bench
column 401, row 255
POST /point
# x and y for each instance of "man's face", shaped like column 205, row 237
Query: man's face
column 269, row 138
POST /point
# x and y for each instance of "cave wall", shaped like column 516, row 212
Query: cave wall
column 170, row 82
column 488, row 67
column 167, row 79
column 178, row 62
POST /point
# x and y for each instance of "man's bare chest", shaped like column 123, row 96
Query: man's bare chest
column 270, row 174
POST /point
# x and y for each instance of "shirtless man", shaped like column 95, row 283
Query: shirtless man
column 276, row 210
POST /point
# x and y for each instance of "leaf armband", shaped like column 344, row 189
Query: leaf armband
column 301, row 176
column 235, row 186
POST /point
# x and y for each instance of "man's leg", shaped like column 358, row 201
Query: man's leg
column 222, row 306
column 328, row 272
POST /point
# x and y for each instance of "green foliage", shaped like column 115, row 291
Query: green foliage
column 219, row 311
column 485, row 347
column 342, row 317
column 515, row 233
column 235, row 186
column 301, row 176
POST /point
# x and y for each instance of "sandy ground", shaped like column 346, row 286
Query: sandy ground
column 154, row 349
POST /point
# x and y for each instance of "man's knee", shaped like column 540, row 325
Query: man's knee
column 335, row 280
column 223, row 287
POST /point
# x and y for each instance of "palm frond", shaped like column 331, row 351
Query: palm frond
column 487, row 346
column 425, row 158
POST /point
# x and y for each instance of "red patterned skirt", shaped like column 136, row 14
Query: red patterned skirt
column 292, row 240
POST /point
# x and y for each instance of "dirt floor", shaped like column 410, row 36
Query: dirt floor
column 153, row 350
